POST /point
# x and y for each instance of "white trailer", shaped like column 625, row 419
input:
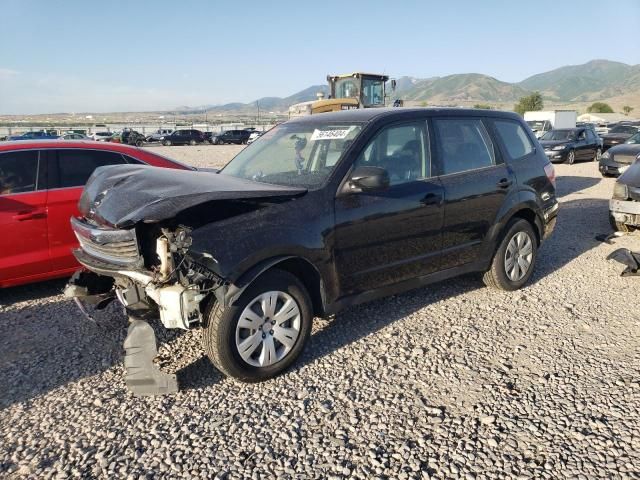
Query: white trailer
column 543, row 121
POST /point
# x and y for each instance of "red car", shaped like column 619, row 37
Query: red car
column 40, row 185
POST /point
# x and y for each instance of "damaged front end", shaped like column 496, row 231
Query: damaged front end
column 162, row 279
column 135, row 231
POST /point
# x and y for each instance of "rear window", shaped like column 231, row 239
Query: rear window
column 514, row 138
column 76, row 166
column 464, row 144
column 18, row 172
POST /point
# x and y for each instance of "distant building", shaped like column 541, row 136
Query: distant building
column 605, row 118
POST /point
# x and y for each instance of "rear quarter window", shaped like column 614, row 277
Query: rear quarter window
column 514, row 138
column 74, row 167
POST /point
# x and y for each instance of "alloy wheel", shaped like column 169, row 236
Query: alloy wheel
column 518, row 256
column 268, row 328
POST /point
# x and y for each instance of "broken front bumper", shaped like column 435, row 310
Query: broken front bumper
column 625, row 211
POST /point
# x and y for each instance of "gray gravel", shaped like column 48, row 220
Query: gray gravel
column 449, row 381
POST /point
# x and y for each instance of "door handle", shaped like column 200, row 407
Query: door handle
column 504, row 183
column 31, row 215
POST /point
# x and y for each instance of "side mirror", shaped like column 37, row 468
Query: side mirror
column 367, row 179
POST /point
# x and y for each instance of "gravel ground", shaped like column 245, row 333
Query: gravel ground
column 449, row 381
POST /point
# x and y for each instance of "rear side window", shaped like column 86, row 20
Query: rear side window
column 464, row 144
column 76, row 166
column 514, row 138
column 18, row 172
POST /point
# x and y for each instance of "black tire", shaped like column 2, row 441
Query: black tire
column 571, row 157
column 496, row 276
column 192, row 142
column 597, row 155
column 166, row 143
column 219, row 332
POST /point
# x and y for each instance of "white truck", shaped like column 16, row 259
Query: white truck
column 543, row 121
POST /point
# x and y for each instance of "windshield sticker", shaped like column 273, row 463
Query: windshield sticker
column 330, row 134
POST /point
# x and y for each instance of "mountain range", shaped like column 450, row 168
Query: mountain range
column 574, row 86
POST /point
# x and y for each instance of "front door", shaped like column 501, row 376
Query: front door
column 476, row 183
column 387, row 236
column 23, row 217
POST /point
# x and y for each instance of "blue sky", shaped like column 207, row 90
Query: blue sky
column 79, row 56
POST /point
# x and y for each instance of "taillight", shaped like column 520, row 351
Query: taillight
column 551, row 173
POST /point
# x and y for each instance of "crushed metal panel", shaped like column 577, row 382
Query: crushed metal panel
column 123, row 195
column 143, row 377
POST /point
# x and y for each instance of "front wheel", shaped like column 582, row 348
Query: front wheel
column 192, row 142
column 263, row 332
column 166, row 143
column 513, row 262
column 571, row 157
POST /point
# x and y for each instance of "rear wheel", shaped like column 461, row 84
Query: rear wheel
column 597, row 156
column 571, row 157
column 513, row 262
column 166, row 143
column 263, row 332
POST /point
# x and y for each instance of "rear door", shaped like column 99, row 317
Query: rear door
column 23, row 216
column 476, row 182
column 69, row 170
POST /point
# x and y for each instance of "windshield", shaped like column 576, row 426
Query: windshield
column 635, row 140
column 623, row 129
column 536, row 124
column 559, row 135
column 292, row 154
column 347, row 88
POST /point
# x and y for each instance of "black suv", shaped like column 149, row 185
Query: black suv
column 619, row 134
column 571, row 145
column 183, row 137
column 326, row 211
column 231, row 136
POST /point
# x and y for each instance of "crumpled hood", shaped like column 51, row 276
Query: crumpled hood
column 123, row 195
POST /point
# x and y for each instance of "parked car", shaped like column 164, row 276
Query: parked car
column 624, row 206
column 326, row 211
column 101, row 136
column 41, row 135
column 74, row 136
column 617, row 159
column 158, row 134
column 231, row 136
column 619, row 134
column 132, row 137
column 254, row 136
column 40, row 184
column 183, row 137
column 571, row 144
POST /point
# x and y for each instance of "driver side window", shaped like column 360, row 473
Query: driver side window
column 402, row 150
